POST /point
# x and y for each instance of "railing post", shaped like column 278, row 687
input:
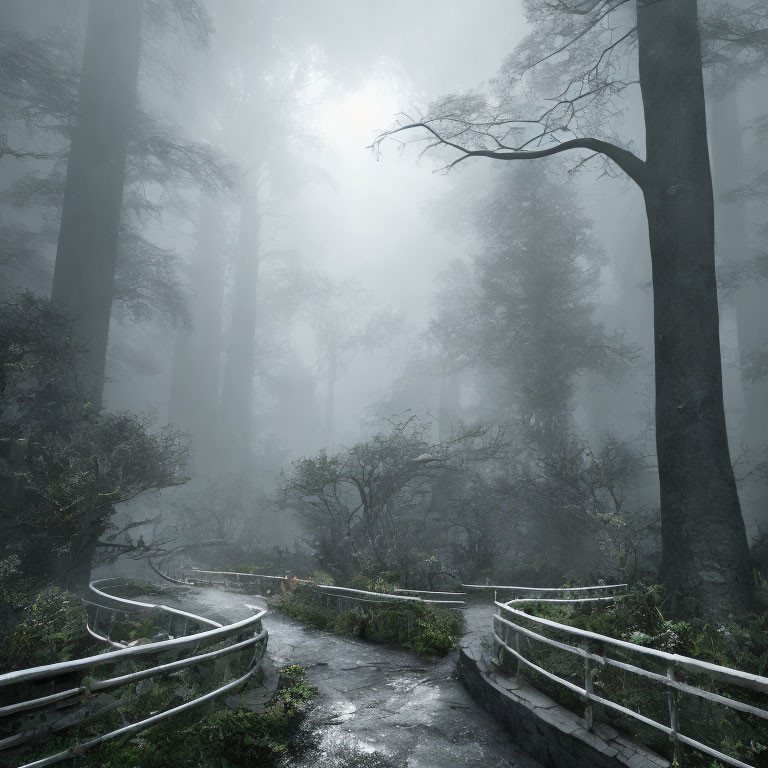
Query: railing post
column 589, row 714
column 674, row 715
column 516, row 646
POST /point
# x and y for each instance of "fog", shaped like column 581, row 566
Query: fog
column 289, row 279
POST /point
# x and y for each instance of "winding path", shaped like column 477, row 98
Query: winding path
column 379, row 707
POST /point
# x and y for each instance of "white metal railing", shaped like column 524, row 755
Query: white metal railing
column 543, row 590
column 430, row 592
column 508, row 632
column 212, row 632
column 230, row 578
column 348, row 592
column 124, row 606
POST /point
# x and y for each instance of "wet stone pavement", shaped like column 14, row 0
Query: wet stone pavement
column 378, row 707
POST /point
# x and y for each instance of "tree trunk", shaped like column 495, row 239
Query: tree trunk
column 78, row 562
column 705, row 558
column 87, row 248
column 746, row 402
column 194, row 398
column 237, row 393
column 448, row 406
column 329, row 427
column 730, row 222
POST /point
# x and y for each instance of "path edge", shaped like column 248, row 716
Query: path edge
column 548, row 732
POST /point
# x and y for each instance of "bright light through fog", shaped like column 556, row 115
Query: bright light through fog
column 354, row 119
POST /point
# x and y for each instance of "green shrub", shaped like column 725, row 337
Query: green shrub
column 385, row 582
column 437, row 630
column 639, row 617
column 135, row 588
column 323, row 577
column 137, row 628
column 52, row 629
column 351, row 623
column 227, row 738
column 314, row 615
column 427, row 629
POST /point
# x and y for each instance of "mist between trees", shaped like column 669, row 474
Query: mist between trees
column 230, row 338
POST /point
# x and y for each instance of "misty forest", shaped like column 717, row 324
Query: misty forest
column 384, row 384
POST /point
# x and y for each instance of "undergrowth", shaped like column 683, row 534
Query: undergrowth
column 640, row 618
column 226, row 738
column 429, row 630
column 199, row 738
column 52, row 629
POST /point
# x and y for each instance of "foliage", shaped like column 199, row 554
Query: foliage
column 51, row 629
column 37, row 351
column 70, row 463
column 323, row 577
column 227, row 738
column 429, row 630
column 228, row 509
column 370, row 508
column 143, row 628
column 134, row 588
column 40, row 102
column 382, row 582
column 520, row 318
column 639, row 617
column 759, row 552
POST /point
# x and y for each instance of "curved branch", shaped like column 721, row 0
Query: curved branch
column 627, row 161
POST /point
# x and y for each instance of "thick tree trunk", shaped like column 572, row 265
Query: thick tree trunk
column 78, row 562
column 194, row 398
column 237, row 392
column 705, row 558
column 85, row 258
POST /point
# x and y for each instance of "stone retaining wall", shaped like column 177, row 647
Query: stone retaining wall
column 549, row 733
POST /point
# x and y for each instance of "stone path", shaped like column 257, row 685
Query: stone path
column 378, row 707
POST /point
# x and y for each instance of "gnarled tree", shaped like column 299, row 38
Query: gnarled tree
column 705, row 554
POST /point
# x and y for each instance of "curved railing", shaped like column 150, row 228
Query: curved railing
column 240, row 580
column 542, row 591
column 365, row 595
column 102, row 618
column 226, row 579
column 511, row 638
column 32, row 716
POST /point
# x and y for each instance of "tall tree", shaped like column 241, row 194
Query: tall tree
column 85, row 258
column 237, row 393
column 195, row 377
column 345, row 324
column 705, row 555
column 735, row 36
